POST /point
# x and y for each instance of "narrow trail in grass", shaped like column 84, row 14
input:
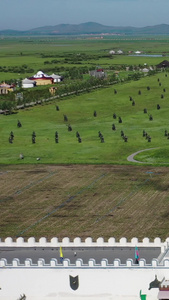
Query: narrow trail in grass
column 61, row 205
column 131, row 157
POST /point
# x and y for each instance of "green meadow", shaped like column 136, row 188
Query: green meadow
column 45, row 120
column 51, row 53
column 89, row 188
column 36, row 51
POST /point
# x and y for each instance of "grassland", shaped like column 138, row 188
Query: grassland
column 79, row 110
column 34, row 51
column 89, row 188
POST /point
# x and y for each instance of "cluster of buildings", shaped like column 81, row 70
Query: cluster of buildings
column 98, row 73
column 115, row 52
column 41, row 79
column 112, row 52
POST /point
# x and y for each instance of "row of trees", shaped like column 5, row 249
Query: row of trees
column 16, row 69
column 38, row 96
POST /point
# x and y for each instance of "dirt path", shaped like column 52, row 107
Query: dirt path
column 131, row 157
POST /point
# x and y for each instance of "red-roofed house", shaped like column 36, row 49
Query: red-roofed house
column 42, row 78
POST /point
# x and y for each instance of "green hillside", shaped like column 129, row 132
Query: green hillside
column 46, row 120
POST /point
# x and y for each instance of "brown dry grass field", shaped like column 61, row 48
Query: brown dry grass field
column 84, row 200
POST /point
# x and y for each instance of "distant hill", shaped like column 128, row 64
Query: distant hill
column 88, row 28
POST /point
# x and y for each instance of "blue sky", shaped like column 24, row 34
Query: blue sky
column 28, row 14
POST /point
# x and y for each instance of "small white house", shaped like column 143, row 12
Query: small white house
column 119, row 52
column 27, row 83
column 56, row 78
column 112, row 52
column 145, row 70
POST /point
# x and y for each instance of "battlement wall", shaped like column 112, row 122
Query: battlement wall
column 54, row 263
column 104, row 280
column 77, row 242
column 47, row 282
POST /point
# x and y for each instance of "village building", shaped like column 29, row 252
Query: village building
column 119, row 52
column 137, row 52
column 163, row 64
column 56, row 78
column 98, row 73
column 145, row 70
column 42, row 79
column 112, row 52
column 6, row 88
column 27, row 83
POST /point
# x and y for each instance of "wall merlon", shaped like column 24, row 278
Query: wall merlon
column 104, row 264
column 77, row 242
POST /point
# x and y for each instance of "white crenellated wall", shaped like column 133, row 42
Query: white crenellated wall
column 77, row 242
column 103, row 281
column 115, row 281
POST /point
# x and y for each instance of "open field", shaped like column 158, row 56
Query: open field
column 89, row 188
column 35, row 51
column 84, row 201
column 45, row 120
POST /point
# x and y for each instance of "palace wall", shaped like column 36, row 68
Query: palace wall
column 41, row 281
